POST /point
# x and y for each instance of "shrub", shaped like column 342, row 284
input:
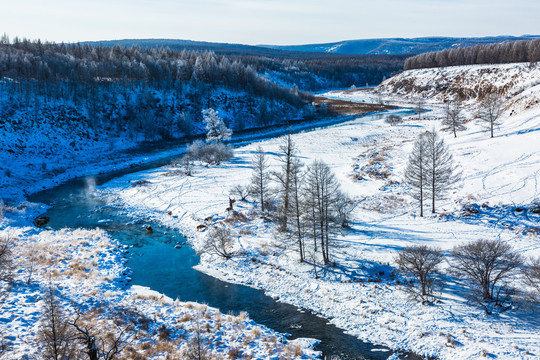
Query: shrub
column 213, row 153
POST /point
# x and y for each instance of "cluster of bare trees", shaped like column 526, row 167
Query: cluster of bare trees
column 490, row 267
column 430, row 171
column 64, row 338
column 500, row 53
column 490, row 110
column 306, row 201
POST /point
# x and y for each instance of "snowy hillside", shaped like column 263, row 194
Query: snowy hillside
column 519, row 83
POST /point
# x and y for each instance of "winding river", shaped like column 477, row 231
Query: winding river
column 158, row 262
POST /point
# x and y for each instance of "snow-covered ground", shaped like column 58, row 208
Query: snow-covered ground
column 87, row 269
column 360, row 294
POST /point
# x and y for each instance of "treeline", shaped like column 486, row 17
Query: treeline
column 149, row 93
column 161, row 68
column 501, row 53
column 327, row 71
column 309, row 71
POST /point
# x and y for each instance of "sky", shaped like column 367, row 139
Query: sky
column 279, row 22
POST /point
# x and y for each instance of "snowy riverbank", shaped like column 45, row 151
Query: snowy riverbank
column 359, row 294
column 87, row 270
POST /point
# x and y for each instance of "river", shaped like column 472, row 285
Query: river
column 158, row 262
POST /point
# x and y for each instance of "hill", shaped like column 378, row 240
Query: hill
column 397, row 45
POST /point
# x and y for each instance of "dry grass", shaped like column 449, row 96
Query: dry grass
column 342, row 107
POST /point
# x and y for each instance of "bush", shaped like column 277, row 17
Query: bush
column 534, row 207
column 489, row 264
column 219, row 242
column 394, row 119
column 213, row 153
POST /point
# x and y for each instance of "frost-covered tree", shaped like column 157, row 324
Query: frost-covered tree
column 260, row 178
column 415, row 173
column 491, row 109
column 454, row 120
column 441, row 173
column 216, row 131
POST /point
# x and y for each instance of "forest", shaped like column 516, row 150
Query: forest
column 157, row 93
column 498, row 53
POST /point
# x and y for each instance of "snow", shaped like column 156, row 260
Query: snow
column 88, row 270
column 360, row 294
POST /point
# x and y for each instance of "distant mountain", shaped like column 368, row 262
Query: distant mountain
column 397, row 45
column 218, row 48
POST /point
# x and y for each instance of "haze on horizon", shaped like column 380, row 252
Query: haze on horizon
column 278, row 22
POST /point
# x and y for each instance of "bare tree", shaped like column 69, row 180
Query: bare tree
column 415, row 173
column 297, row 206
column 55, row 332
column 488, row 264
column 215, row 127
column 532, row 275
column 423, row 262
column 219, row 242
column 241, row 192
column 441, row 173
column 260, row 179
column 286, row 154
column 6, row 263
column 491, row 109
column 198, row 347
column 419, row 106
column 454, row 120
column 106, row 347
column 393, row 119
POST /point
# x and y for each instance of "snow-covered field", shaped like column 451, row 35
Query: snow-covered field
column 360, row 294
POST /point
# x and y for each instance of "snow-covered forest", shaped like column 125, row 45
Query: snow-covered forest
column 413, row 229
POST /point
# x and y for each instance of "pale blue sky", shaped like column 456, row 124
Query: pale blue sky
column 265, row 21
